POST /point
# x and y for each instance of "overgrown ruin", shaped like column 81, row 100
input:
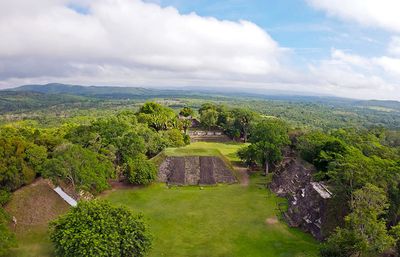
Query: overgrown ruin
column 307, row 199
column 195, row 170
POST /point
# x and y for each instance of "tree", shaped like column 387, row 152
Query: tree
column 311, row 144
column 82, row 168
column 208, row 118
column 395, row 232
column 20, row 161
column 267, row 140
column 173, row 138
column 186, row 124
column 248, row 155
column 129, row 145
column 153, row 141
column 157, row 116
column 140, row 171
column 243, row 119
column 186, row 112
column 206, row 107
column 365, row 232
column 96, row 228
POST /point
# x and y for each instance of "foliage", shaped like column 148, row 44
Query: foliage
column 365, row 233
column 235, row 122
column 140, row 171
column 209, row 118
column 173, row 138
column 97, row 228
column 242, row 121
column 186, row 112
column 5, row 196
column 157, row 116
column 19, row 161
column 350, row 159
column 84, row 169
column 248, row 155
column 268, row 137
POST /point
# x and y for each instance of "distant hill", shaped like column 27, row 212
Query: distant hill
column 111, row 92
column 100, row 91
column 11, row 101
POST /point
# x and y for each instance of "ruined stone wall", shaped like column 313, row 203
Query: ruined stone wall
column 195, row 170
column 307, row 200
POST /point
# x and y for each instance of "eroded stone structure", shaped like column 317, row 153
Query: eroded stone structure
column 308, row 200
column 195, row 170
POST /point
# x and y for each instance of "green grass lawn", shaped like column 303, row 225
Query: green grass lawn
column 225, row 220
column 34, row 241
column 207, row 149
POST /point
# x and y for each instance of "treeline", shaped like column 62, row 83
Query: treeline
column 86, row 156
column 363, row 169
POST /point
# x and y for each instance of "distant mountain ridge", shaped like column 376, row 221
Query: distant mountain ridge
column 95, row 91
column 113, row 92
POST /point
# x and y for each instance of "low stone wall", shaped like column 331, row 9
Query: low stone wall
column 195, row 170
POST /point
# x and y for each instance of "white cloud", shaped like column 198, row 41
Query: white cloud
column 390, row 65
column 352, row 75
column 394, row 46
column 129, row 34
column 372, row 13
column 349, row 58
column 130, row 42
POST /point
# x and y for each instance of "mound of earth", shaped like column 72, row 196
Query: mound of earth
column 35, row 205
column 195, row 170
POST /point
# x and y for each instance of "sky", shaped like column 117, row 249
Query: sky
column 347, row 48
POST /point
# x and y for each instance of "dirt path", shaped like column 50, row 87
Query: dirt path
column 244, row 175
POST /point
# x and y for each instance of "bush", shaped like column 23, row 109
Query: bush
column 140, row 171
column 173, row 138
column 97, row 228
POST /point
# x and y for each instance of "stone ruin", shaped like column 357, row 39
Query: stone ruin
column 208, row 136
column 308, row 200
column 195, row 170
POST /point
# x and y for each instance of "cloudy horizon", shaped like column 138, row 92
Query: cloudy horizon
column 343, row 48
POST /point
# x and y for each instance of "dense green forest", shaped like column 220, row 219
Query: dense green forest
column 85, row 137
column 57, row 101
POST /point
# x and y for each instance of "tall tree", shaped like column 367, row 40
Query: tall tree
column 243, row 119
column 208, row 118
column 267, row 139
column 365, row 233
column 82, row 168
column 157, row 116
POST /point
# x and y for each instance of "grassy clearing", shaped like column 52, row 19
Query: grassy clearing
column 226, row 220
column 207, row 149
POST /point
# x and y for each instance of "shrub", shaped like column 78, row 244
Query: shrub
column 97, row 228
column 140, row 171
